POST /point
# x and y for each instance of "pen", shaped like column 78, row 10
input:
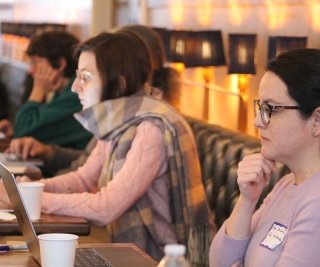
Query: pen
column 4, row 248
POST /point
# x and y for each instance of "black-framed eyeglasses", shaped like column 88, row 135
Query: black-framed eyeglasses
column 266, row 110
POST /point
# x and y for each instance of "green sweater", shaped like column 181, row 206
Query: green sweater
column 53, row 122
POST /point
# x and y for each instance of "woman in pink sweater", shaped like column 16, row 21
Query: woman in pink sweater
column 285, row 231
column 143, row 178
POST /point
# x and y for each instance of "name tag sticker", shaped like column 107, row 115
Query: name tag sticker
column 275, row 236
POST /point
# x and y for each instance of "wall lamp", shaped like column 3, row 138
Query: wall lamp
column 280, row 44
column 175, row 45
column 204, row 49
column 241, row 61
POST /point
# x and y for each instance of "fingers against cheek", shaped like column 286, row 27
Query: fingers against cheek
column 268, row 168
column 38, row 73
column 271, row 164
column 257, row 159
column 247, row 177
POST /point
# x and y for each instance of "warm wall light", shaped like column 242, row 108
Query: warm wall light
column 242, row 54
column 314, row 7
column 204, row 12
column 204, row 49
column 175, row 44
column 236, row 12
column 177, row 11
column 241, row 61
column 280, row 44
column 277, row 14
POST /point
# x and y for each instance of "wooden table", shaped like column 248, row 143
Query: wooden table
column 119, row 255
column 49, row 223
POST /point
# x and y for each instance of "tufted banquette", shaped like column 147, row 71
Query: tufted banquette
column 220, row 151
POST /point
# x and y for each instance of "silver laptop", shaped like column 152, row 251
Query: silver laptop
column 20, row 211
column 84, row 256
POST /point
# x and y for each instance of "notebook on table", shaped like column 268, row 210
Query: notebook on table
column 84, row 256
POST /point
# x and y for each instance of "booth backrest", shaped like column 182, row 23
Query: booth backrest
column 220, row 151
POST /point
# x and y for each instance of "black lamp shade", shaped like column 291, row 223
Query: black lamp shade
column 242, row 53
column 204, row 48
column 280, row 44
column 174, row 45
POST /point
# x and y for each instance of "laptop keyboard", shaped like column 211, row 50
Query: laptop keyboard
column 89, row 257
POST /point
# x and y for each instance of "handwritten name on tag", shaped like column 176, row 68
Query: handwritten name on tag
column 275, row 236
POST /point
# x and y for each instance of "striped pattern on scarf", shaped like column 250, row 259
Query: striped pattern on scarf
column 117, row 120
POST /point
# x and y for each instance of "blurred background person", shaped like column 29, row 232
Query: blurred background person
column 47, row 115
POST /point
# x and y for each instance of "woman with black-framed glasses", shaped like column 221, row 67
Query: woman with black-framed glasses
column 284, row 231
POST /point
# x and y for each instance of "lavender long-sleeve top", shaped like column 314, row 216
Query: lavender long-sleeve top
column 285, row 230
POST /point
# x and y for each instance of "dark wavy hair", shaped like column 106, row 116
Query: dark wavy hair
column 54, row 45
column 119, row 55
column 300, row 70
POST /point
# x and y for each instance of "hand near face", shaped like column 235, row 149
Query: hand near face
column 45, row 79
column 27, row 147
column 254, row 172
column 6, row 127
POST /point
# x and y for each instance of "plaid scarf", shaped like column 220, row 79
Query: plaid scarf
column 117, row 120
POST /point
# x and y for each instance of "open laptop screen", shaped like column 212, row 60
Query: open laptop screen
column 20, row 211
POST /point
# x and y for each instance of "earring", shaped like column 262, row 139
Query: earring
column 314, row 131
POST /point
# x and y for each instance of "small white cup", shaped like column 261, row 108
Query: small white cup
column 31, row 193
column 58, row 249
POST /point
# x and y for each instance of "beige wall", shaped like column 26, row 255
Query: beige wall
column 262, row 17
column 75, row 13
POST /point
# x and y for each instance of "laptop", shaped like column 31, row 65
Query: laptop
column 20, row 211
column 84, row 256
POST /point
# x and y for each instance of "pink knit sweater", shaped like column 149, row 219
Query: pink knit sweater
column 76, row 193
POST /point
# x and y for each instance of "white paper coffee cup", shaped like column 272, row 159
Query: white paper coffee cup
column 31, row 193
column 57, row 249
